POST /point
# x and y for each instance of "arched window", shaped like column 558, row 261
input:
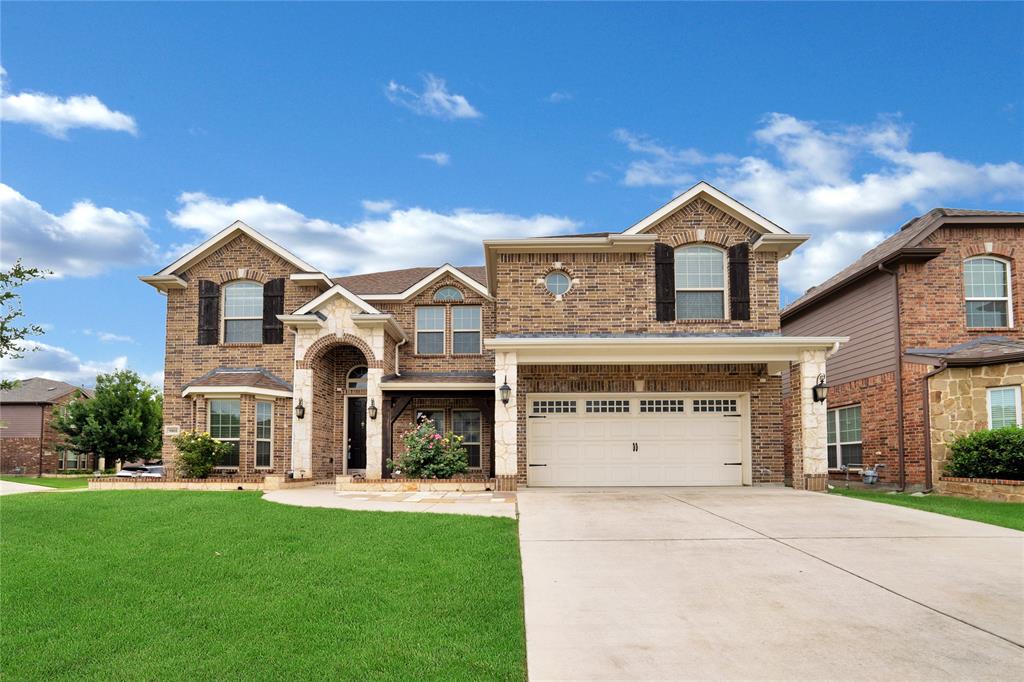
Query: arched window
column 357, row 378
column 243, row 312
column 700, row 283
column 448, row 294
column 987, row 292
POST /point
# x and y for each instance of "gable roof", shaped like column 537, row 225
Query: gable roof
column 39, row 390
column 984, row 350
column 908, row 238
column 223, row 237
column 716, row 197
column 400, row 284
column 336, row 290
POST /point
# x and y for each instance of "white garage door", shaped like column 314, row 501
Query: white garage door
column 602, row 440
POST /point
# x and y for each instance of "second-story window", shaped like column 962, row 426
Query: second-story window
column 466, row 329
column 430, row 330
column 987, row 292
column 700, row 283
column 243, row 312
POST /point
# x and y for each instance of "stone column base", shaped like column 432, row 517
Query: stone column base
column 815, row 483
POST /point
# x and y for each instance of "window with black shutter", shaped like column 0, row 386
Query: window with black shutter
column 209, row 312
column 739, row 281
column 273, row 305
column 664, row 283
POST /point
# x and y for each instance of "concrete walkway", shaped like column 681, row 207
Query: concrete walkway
column 12, row 488
column 474, row 504
column 755, row 583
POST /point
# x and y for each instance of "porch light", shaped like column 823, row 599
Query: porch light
column 300, row 410
column 371, row 411
column 820, row 390
column 505, row 391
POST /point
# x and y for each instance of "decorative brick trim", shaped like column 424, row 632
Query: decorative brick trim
column 325, row 343
column 251, row 274
column 999, row 250
column 986, row 481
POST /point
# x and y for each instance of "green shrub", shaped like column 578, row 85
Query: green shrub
column 198, row 453
column 994, row 453
column 428, row 454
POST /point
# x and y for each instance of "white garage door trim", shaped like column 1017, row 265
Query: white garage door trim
column 635, row 416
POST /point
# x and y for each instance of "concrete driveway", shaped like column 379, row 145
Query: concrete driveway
column 742, row 583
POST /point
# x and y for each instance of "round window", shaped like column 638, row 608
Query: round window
column 557, row 282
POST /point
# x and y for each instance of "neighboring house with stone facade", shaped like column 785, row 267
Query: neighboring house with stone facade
column 650, row 356
column 28, row 443
column 936, row 349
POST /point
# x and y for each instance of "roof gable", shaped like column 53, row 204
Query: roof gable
column 716, row 197
column 334, row 292
column 428, row 279
column 223, row 237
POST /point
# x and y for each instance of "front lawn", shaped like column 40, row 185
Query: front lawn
column 137, row 585
column 65, row 483
column 1006, row 514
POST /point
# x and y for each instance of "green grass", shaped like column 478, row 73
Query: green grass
column 1006, row 514
column 146, row 585
column 65, row 483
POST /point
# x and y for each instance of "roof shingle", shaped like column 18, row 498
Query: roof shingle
column 397, row 281
column 39, row 390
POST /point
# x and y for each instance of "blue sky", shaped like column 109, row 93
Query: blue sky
column 369, row 137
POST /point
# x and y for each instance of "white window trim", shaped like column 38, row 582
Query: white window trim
column 348, row 379
column 563, row 273
column 479, row 331
column 443, row 330
column 209, row 423
column 1009, row 290
column 724, row 288
column 224, row 314
column 460, row 299
column 478, row 443
column 833, row 414
column 1016, row 402
column 257, row 439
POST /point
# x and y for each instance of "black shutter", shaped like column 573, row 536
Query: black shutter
column 664, row 282
column 209, row 312
column 273, row 305
column 739, row 282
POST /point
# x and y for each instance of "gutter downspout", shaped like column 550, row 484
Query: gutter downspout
column 928, row 426
column 397, row 346
column 902, row 468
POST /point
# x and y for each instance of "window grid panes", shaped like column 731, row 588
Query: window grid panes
column 844, row 437
column 357, row 378
column 436, row 416
column 466, row 329
column 987, row 292
column 557, row 283
column 225, row 426
column 667, row 405
column 430, row 330
column 1004, row 407
column 597, row 406
column 700, row 283
column 466, row 423
column 243, row 312
column 264, row 431
column 448, row 294
column 714, row 405
column 554, row 406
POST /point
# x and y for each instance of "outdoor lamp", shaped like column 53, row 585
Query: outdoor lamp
column 820, row 390
column 505, row 391
column 300, row 410
column 372, row 410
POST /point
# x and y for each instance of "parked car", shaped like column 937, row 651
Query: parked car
column 141, row 471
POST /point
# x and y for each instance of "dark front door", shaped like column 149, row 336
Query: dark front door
column 356, row 419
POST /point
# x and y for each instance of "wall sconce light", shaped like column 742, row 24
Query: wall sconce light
column 820, row 390
column 300, row 410
column 372, row 410
column 505, row 391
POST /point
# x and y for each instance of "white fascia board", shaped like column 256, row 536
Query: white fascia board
column 781, row 244
column 437, row 386
column 717, row 197
column 336, row 290
column 419, row 286
column 223, row 236
column 312, row 277
column 301, row 321
column 385, row 320
column 164, row 282
column 236, row 390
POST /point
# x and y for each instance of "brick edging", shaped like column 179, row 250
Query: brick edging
column 988, row 481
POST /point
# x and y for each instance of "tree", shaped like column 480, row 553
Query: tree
column 11, row 334
column 123, row 421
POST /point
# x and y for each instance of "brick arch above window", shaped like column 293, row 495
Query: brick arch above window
column 326, row 343
column 1000, row 250
column 718, row 238
column 241, row 274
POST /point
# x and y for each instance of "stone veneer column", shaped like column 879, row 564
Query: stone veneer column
column 302, row 429
column 810, row 432
column 506, row 422
column 374, row 427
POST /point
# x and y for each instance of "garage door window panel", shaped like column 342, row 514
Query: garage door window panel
column 726, row 405
column 554, row 407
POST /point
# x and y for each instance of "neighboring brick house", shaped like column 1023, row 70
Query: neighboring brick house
column 934, row 317
column 28, row 444
column 651, row 356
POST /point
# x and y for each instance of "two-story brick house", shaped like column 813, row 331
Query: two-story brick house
column 650, row 356
column 936, row 347
column 28, row 442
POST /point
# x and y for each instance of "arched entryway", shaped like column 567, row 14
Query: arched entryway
column 338, row 411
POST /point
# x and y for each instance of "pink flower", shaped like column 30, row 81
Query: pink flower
column 437, row 436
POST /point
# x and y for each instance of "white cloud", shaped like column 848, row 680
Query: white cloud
column 559, row 96
column 440, row 158
column 858, row 180
column 400, row 238
column 85, row 241
column 435, row 100
column 56, row 116
column 108, row 337
column 54, row 362
column 382, row 206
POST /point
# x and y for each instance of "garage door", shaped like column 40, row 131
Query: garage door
column 602, row 440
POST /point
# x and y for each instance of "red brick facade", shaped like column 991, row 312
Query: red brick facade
column 34, row 454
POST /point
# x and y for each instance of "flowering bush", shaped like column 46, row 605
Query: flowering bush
column 428, row 454
column 198, row 453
